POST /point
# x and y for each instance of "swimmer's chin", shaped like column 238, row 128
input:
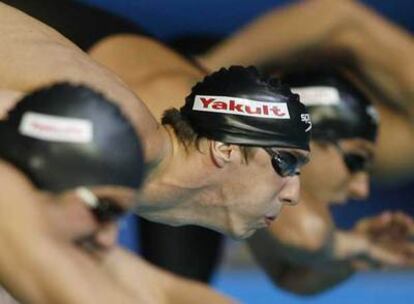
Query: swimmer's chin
column 236, row 235
column 163, row 219
column 340, row 200
column 244, row 235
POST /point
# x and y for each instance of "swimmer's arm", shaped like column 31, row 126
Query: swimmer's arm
column 301, row 234
column 34, row 55
column 160, row 76
column 295, row 269
column 383, row 54
column 35, row 267
column 55, row 274
column 306, row 255
column 302, row 270
column 297, row 252
column 278, row 35
column 382, row 51
column 154, row 284
column 394, row 155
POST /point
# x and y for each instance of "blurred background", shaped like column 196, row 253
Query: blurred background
column 174, row 22
column 170, row 20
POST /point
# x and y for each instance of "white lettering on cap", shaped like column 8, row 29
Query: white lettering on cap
column 241, row 106
column 306, row 119
column 313, row 96
column 56, row 128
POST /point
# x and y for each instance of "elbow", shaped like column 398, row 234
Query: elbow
column 295, row 280
column 299, row 283
column 305, row 281
column 299, row 289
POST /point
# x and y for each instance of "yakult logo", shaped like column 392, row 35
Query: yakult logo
column 56, row 128
column 241, row 106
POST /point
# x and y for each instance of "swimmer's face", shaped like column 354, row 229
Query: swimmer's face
column 255, row 193
column 73, row 219
column 329, row 179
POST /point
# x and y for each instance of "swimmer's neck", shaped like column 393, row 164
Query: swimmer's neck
column 181, row 183
column 312, row 201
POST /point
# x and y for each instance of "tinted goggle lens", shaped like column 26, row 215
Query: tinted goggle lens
column 285, row 163
column 356, row 163
column 104, row 209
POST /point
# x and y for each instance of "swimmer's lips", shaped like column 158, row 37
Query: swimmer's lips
column 269, row 220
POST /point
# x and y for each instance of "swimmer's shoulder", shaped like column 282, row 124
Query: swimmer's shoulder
column 8, row 98
column 143, row 51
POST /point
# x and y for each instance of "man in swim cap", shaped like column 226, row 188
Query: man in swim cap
column 235, row 124
column 62, row 138
column 56, row 142
column 229, row 109
column 303, row 252
column 63, row 177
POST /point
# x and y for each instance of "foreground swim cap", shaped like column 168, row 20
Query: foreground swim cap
column 240, row 106
column 67, row 136
column 338, row 109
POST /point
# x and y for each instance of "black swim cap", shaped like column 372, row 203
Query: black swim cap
column 67, row 136
column 240, row 106
column 338, row 109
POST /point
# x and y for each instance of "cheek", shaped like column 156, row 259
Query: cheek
column 262, row 194
column 324, row 179
column 256, row 187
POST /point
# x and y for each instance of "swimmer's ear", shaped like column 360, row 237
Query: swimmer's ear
column 222, row 153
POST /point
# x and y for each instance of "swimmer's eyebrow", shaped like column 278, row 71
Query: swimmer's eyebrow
column 366, row 152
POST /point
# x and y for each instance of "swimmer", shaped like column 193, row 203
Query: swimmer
column 303, row 251
column 63, row 177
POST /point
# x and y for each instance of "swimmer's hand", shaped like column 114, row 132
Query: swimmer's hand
column 364, row 254
column 387, row 226
column 391, row 230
